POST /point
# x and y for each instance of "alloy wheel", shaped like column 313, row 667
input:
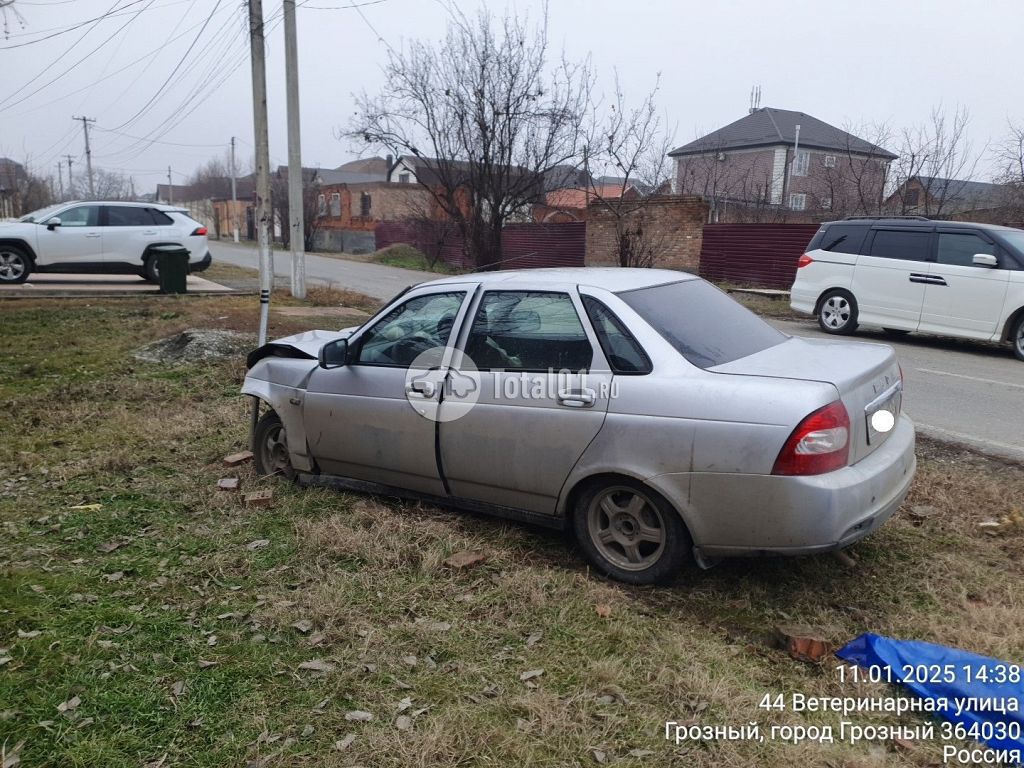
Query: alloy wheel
column 835, row 312
column 12, row 266
column 627, row 528
column 1019, row 341
column 275, row 452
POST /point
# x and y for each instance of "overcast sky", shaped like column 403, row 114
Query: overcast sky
column 843, row 62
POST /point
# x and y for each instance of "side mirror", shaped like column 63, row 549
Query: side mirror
column 985, row 260
column 53, row 223
column 333, row 354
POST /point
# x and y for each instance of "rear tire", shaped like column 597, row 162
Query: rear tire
column 1017, row 337
column 270, row 447
column 15, row 265
column 630, row 533
column 837, row 312
column 150, row 271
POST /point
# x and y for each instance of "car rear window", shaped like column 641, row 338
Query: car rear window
column 842, row 238
column 703, row 324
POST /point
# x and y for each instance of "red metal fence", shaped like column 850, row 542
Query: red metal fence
column 761, row 255
column 523, row 246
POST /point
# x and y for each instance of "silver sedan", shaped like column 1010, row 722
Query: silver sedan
column 643, row 410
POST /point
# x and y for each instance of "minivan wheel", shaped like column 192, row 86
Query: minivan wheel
column 15, row 265
column 1017, row 337
column 628, row 532
column 270, row 447
column 837, row 312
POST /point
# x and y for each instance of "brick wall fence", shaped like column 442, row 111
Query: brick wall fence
column 674, row 224
column 760, row 255
column 522, row 245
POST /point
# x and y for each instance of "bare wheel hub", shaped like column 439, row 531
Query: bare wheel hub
column 627, row 528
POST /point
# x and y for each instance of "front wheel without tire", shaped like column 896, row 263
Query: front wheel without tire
column 270, row 447
column 1017, row 337
column 630, row 533
column 837, row 312
column 15, row 265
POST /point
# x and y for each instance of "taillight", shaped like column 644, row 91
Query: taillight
column 199, row 231
column 819, row 444
column 804, row 261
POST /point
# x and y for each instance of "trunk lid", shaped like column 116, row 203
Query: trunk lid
column 867, row 377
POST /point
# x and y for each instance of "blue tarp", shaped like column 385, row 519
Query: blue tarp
column 936, row 672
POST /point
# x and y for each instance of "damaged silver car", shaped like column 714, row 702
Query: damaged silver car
column 643, row 410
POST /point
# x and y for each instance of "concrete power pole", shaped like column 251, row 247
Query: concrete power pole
column 259, row 110
column 234, row 192
column 88, row 152
column 296, row 193
column 60, row 179
column 170, row 187
column 71, row 186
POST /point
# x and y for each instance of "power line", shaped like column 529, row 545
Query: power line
column 71, row 28
column 169, row 143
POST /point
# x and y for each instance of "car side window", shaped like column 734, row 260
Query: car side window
column 128, row 216
column 528, row 331
column 81, row 216
column 160, row 218
column 624, row 353
column 410, row 329
column 843, row 238
column 907, row 245
column 958, row 248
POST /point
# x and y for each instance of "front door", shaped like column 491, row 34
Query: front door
column 890, row 277
column 78, row 239
column 963, row 298
column 539, row 403
column 370, row 420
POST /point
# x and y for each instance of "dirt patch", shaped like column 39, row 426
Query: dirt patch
column 196, row 345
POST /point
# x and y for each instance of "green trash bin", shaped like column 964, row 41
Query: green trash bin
column 172, row 268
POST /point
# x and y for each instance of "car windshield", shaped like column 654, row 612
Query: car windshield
column 703, row 324
column 41, row 214
column 1015, row 238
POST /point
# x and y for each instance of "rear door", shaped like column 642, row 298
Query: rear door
column 890, row 277
column 78, row 239
column 127, row 231
column 542, row 399
column 962, row 298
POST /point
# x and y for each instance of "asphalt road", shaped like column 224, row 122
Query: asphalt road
column 963, row 391
column 968, row 392
column 376, row 280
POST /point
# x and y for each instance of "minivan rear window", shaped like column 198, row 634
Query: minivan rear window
column 701, row 322
column 901, row 244
column 842, row 238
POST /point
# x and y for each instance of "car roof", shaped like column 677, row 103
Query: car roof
column 912, row 222
column 129, row 203
column 614, row 279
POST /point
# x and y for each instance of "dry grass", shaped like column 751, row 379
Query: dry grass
column 85, row 424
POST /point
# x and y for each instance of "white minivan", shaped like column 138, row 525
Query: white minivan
column 915, row 274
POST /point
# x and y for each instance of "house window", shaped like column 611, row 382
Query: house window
column 830, row 161
column 801, row 162
column 321, row 205
column 913, row 196
column 404, row 178
column 826, row 203
column 335, row 205
column 364, row 205
column 798, row 201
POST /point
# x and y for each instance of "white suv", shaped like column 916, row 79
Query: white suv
column 110, row 237
column 915, row 274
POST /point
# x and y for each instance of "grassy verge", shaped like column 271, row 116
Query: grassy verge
column 407, row 257
column 147, row 617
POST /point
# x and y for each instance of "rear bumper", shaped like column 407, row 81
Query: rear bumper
column 202, row 264
column 802, row 300
column 738, row 515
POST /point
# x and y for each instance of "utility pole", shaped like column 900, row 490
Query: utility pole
column 296, row 195
column 234, row 192
column 60, row 179
column 88, row 153
column 71, row 186
column 262, row 142
column 170, row 187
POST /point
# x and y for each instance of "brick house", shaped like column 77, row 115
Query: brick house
column 777, row 164
column 11, row 176
column 957, row 199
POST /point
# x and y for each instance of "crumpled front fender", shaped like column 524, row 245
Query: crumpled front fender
column 287, row 403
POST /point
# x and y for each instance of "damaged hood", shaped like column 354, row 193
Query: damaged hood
column 305, row 345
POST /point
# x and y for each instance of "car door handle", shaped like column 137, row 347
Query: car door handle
column 93, row 234
column 149, row 232
column 926, row 279
column 421, row 387
column 577, row 398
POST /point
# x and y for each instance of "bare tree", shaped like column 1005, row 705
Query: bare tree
column 935, row 158
column 110, row 185
column 213, row 178
column 485, row 113
column 1010, row 156
column 315, row 207
column 633, row 144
